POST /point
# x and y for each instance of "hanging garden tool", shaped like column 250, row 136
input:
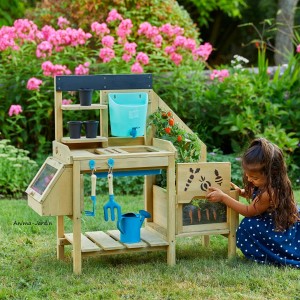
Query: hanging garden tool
column 93, row 190
column 111, row 204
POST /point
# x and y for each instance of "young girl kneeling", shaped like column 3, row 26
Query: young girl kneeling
column 270, row 231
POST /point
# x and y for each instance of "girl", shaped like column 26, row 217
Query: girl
column 270, row 231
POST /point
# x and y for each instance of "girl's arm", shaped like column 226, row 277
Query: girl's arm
column 248, row 210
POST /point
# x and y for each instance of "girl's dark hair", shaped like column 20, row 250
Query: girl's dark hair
column 267, row 158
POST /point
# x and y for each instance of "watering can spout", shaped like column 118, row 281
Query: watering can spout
column 143, row 214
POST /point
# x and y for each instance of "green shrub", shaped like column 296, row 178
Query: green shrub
column 16, row 170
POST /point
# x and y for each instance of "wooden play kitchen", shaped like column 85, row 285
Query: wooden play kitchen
column 125, row 146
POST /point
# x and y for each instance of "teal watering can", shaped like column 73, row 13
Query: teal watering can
column 130, row 224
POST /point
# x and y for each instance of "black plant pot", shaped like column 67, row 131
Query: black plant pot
column 75, row 129
column 85, row 97
column 91, row 129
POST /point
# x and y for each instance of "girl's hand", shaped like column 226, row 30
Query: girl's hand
column 215, row 195
column 238, row 189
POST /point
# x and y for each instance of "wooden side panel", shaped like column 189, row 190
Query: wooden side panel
column 58, row 202
column 194, row 179
column 160, row 206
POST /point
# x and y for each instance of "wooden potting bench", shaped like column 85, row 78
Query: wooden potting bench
column 144, row 155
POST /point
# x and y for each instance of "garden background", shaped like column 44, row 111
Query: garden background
column 225, row 104
column 213, row 63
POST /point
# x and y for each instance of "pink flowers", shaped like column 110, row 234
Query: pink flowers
column 124, row 28
column 15, row 110
column 108, row 41
column 106, row 54
column 34, row 84
column 203, row 51
column 53, row 70
column 44, row 49
column 113, row 15
column 142, row 58
column 219, row 74
column 62, row 22
column 82, row 69
column 137, row 68
column 100, row 29
column 298, row 49
column 66, row 101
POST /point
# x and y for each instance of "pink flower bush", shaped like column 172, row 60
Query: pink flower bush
column 203, row 51
column 62, row 22
column 66, row 101
column 176, row 58
column 130, row 48
column 113, row 15
column 219, row 74
column 82, row 69
column 106, row 54
column 137, row 68
column 15, row 110
column 53, row 70
column 142, row 58
column 34, row 84
column 108, row 41
column 124, row 29
column 126, row 57
column 44, row 49
column 100, row 29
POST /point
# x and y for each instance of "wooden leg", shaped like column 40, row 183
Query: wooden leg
column 205, row 240
column 233, row 225
column 232, row 234
column 76, row 219
column 171, row 254
column 60, row 233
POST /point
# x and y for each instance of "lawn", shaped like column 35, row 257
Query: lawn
column 29, row 269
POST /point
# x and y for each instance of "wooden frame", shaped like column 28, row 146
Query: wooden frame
column 164, row 226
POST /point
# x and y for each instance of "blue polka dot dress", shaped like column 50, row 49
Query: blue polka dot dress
column 258, row 240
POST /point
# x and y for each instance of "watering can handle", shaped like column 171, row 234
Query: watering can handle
column 110, row 184
column 119, row 225
column 93, row 181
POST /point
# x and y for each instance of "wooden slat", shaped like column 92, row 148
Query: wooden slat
column 104, row 241
column 80, row 107
column 83, row 139
column 152, row 239
column 109, row 150
column 86, row 244
column 116, row 234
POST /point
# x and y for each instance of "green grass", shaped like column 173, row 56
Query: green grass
column 30, row 270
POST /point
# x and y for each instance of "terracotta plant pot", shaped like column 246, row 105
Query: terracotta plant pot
column 75, row 129
column 91, row 128
column 85, row 97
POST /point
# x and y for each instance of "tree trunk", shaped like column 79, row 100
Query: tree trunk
column 284, row 36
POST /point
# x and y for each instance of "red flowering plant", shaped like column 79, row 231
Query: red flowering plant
column 187, row 144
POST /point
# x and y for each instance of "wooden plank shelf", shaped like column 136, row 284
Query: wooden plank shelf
column 109, row 242
column 83, row 139
column 86, row 244
column 80, row 107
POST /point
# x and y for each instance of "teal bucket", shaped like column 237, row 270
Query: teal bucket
column 128, row 113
